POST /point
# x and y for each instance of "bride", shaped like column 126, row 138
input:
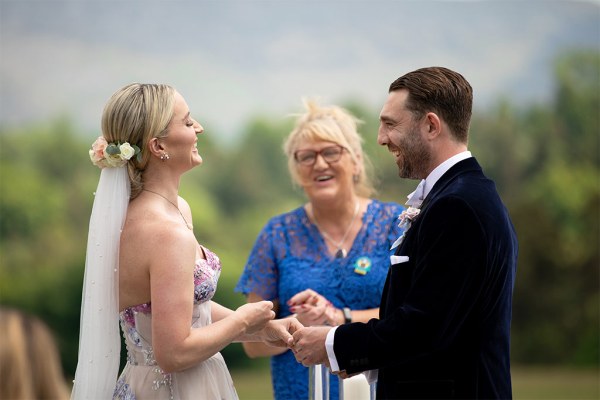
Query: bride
column 146, row 270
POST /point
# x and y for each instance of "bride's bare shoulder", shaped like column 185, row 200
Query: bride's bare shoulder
column 147, row 229
column 142, row 221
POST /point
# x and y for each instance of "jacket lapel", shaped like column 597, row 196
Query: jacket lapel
column 461, row 167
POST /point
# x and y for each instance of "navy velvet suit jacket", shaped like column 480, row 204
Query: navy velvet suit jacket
column 444, row 327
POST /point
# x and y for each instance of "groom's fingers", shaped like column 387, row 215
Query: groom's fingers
column 307, row 363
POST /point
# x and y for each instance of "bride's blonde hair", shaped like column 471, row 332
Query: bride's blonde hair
column 137, row 113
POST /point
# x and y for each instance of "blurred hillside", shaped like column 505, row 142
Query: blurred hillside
column 232, row 59
column 545, row 159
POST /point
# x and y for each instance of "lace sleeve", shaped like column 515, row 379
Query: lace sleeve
column 394, row 210
column 260, row 274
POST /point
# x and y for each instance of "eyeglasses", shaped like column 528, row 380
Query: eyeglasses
column 330, row 154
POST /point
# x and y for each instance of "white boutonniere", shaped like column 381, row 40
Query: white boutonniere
column 406, row 218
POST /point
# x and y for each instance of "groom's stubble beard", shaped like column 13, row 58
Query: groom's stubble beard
column 414, row 154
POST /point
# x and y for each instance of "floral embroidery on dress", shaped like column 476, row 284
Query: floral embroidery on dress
column 206, row 276
column 139, row 348
column 165, row 381
column 149, row 356
column 123, row 391
column 128, row 315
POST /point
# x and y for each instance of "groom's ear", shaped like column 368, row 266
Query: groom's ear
column 433, row 125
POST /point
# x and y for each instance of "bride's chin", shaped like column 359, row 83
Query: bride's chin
column 196, row 157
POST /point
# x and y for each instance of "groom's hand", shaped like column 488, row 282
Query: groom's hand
column 309, row 345
column 278, row 333
column 344, row 375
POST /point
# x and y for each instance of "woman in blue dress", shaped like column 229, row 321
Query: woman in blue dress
column 326, row 261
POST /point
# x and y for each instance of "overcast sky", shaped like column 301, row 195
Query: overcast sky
column 235, row 59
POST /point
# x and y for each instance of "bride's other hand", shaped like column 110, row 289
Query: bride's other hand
column 255, row 316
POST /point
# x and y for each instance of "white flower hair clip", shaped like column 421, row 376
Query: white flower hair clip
column 104, row 154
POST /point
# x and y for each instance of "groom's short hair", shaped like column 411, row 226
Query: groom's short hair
column 442, row 91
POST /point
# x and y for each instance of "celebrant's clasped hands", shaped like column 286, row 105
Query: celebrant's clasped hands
column 313, row 309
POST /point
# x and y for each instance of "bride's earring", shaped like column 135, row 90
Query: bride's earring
column 164, row 157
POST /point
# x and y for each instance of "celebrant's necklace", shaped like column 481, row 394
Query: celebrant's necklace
column 190, row 226
column 341, row 252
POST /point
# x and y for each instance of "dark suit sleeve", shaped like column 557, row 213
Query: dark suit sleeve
column 429, row 298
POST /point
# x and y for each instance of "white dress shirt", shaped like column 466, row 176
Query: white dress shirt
column 425, row 186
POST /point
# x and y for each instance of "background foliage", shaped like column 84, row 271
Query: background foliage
column 545, row 159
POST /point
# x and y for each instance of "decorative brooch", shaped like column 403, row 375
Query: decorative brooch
column 362, row 265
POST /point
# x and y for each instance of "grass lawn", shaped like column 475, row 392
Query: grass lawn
column 555, row 383
column 253, row 384
column 547, row 383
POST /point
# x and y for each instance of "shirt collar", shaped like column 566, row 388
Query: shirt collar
column 441, row 169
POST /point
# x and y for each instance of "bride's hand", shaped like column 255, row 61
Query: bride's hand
column 278, row 333
column 255, row 316
column 311, row 309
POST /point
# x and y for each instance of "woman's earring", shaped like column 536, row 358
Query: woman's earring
column 164, row 157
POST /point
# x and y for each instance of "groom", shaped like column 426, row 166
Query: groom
column 444, row 324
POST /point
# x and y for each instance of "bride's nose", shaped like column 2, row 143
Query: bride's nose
column 198, row 128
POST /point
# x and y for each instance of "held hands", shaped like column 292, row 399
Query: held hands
column 312, row 309
column 258, row 319
column 278, row 333
column 308, row 345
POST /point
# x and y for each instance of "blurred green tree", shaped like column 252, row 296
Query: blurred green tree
column 544, row 158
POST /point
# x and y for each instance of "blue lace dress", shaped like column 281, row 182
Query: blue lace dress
column 142, row 378
column 290, row 255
